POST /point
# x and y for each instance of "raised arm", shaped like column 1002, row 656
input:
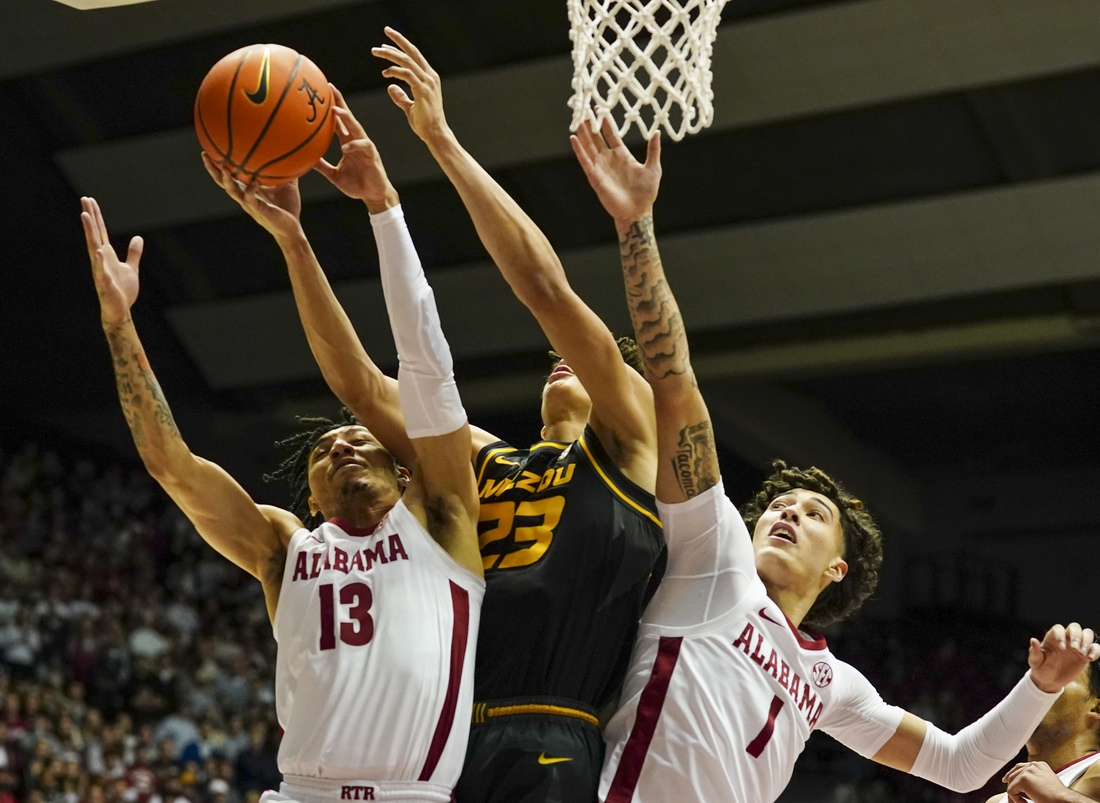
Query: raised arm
column 252, row 536
column 688, row 459
column 1036, row 782
column 443, row 492
column 966, row 760
column 621, row 401
column 347, row 368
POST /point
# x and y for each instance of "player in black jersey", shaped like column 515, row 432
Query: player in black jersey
column 568, row 530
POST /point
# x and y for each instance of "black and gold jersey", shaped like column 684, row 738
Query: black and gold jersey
column 570, row 548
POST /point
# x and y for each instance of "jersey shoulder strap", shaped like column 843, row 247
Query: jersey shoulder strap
column 634, row 496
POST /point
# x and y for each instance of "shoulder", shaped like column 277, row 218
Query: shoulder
column 1089, row 782
column 283, row 523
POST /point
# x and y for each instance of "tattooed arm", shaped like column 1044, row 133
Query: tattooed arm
column 252, row 536
column 688, row 457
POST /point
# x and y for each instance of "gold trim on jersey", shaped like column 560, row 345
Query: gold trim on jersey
column 482, row 712
column 607, row 480
column 489, row 456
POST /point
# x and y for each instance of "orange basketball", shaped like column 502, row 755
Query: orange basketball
column 266, row 112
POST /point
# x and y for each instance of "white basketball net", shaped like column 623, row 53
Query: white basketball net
column 651, row 58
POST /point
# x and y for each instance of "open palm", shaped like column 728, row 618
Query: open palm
column 625, row 187
column 116, row 281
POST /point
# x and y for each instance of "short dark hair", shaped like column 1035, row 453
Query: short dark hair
column 862, row 539
column 628, row 347
column 295, row 467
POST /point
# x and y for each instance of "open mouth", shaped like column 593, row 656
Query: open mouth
column 561, row 372
column 784, row 532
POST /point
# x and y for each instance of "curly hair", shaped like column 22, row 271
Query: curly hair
column 295, row 467
column 628, row 347
column 862, row 540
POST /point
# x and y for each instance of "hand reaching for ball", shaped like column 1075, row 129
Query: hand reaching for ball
column 359, row 173
column 116, row 282
column 277, row 208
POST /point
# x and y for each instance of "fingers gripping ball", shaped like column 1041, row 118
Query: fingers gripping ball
column 265, row 112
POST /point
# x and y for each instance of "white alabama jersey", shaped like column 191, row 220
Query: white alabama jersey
column 374, row 676
column 1068, row 775
column 723, row 691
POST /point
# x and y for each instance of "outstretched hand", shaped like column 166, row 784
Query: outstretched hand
column 116, row 281
column 1061, row 656
column 424, row 109
column 276, row 208
column 359, row 173
column 625, row 187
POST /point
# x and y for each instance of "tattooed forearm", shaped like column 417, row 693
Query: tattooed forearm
column 143, row 403
column 695, row 461
column 657, row 322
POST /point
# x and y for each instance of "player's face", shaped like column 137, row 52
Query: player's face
column 563, row 396
column 347, row 460
column 1074, row 712
column 798, row 542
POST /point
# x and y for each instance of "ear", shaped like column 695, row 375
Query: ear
column 314, row 508
column 542, row 433
column 837, row 570
column 403, row 478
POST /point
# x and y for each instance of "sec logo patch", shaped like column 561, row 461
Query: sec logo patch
column 823, row 674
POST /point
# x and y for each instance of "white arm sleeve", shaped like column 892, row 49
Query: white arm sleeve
column 710, row 560
column 968, row 759
column 861, row 721
column 425, row 379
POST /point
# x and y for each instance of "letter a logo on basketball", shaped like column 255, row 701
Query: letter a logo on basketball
column 260, row 94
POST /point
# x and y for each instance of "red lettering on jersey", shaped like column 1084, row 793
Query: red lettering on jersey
column 352, row 792
column 327, row 565
column 396, row 548
column 756, row 654
column 808, row 701
column 341, row 560
column 817, row 713
column 376, row 554
column 301, row 567
column 316, row 565
column 794, row 685
column 356, row 561
column 772, row 664
column 745, row 639
column 784, row 673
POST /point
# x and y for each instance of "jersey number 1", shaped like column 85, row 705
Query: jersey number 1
column 355, row 633
column 757, row 745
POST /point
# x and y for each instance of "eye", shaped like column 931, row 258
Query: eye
column 777, row 505
column 817, row 515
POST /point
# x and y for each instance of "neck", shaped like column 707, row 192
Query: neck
column 565, row 431
column 362, row 515
column 1063, row 753
column 794, row 604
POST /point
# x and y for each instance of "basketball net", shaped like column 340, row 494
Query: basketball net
column 648, row 58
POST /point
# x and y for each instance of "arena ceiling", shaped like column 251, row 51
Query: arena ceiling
column 887, row 246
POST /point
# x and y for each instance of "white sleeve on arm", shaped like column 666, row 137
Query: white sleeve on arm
column 710, row 560
column 425, row 380
column 861, row 721
column 965, row 761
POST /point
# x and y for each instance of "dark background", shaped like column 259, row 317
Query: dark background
column 885, row 248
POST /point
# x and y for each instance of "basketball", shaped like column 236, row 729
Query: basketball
column 265, row 111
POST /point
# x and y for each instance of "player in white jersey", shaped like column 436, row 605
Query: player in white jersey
column 375, row 609
column 1063, row 754
column 724, row 688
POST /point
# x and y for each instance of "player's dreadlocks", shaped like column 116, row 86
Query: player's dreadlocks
column 295, row 468
column 628, row 347
column 862, row 548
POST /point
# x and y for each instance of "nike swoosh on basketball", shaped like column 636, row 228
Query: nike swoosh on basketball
column 260, row 95
column 764, row 615
column 544, row 760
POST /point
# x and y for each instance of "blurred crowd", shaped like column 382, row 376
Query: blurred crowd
column 136, row 664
